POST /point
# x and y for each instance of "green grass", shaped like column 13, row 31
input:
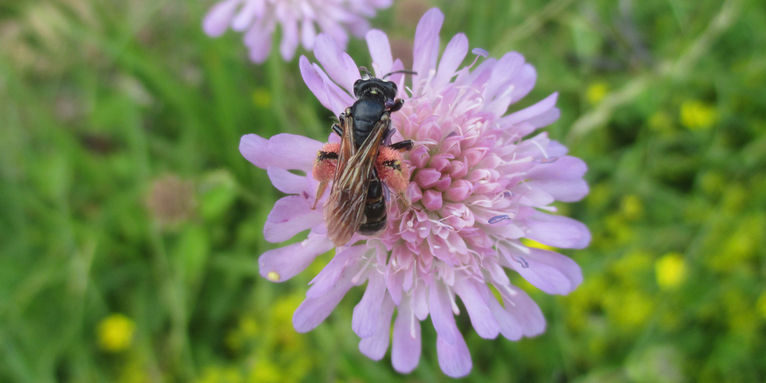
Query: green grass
column 103, row 102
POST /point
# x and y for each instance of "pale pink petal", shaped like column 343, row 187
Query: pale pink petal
column 525, row 311
column 451, row 59
column 330, row 274
column 338, row 64
column 290, row 216
column 509, row 326
column 286, row 151
column 524, row 83
column 290, row 38
column 245, row 16
column 562, row 190
column 440, row 307
column 557, row 231
column 535, row 110
column 218, row 18
column 380, row 51
column 544, row 119
column 301, row 151
column 566, row 167
column 406, row 344
column 426, row 47
column 375, row 346
column 258, row 40
column 454, row 358
column 338, row 98
column 503, row 72
column 308, row 33
column 314, row 311
column 481, row 317
column 549, row 271
column 333, row 29
column 365, row 319
column 287, row 182
column 281, row 264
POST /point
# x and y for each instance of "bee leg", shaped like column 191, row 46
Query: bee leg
column 324, row 168
column 402, row 146
column 337, row 129
column 394, row 105
column 393, row 172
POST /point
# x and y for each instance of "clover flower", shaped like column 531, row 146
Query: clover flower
column 480, row 183
column 299, row 20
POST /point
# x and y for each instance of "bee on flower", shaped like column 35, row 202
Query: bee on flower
column 480, row 180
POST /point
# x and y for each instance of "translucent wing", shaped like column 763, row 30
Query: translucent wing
column 344, row 211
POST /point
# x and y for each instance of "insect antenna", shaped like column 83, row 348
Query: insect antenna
column 400, row 71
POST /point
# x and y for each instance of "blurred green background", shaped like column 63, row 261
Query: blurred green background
column 130, row 225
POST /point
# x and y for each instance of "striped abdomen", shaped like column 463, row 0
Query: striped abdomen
column 375, row 216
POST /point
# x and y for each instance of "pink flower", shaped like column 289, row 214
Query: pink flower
column 481, row 181
column 299, row 20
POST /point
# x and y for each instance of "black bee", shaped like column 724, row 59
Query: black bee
column 360, row 164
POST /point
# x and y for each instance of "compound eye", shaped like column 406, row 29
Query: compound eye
column 391, row 89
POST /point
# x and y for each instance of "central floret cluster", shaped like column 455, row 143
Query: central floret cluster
column 479, row 185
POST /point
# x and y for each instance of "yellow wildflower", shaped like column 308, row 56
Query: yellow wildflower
column 115, row 333
column 265, row 372
column 629, row 309
column 670, row 270
column 596, row 92
column 696, row 115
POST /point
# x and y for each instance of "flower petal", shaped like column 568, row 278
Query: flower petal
column 314, row 311
column 524, row 83
column 509, row 326
column 535, row 110
column 258, row 40
column 566, row 167
column 380, row 51
column 451, row 59
column 375, row 346
column 557, row 231
column 281, row 264
column 426, row 47
column 440, row 307
column 328, row 277
column 287, row 182
column 308, row 33
column 290, row 38
column 525, row 311
column 286, row 151
column 290, row 216
column 454, row 359
column 406, row 345
column 547, row 270
column 481, row 317
column 365, row 319
column 300, row 151
column 562, row 190
column 218, row 18
column 338, row 64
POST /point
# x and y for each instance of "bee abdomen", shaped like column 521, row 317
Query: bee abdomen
column 375, row 216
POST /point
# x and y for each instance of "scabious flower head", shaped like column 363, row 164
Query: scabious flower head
column 481, row 182
column 299, row 20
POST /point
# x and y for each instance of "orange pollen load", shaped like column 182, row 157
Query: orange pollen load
column 324, row 168
column 391, row 170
